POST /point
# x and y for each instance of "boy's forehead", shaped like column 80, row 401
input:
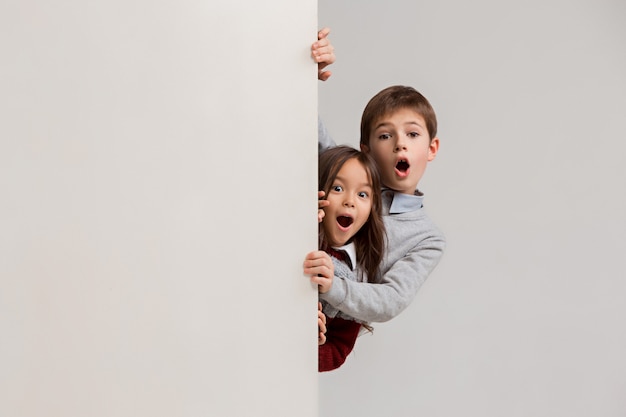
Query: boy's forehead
column 384, row 118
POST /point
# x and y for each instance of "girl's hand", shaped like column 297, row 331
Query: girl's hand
column 320, row 206
column 321, row 325
column 323, row 53
column 320, row 268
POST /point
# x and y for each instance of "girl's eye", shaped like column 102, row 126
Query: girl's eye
column 363, row 194
column 337, row 188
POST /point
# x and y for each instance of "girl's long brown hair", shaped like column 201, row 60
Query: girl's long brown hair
column 369, row 241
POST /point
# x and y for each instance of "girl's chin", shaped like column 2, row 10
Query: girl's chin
column 336, row 244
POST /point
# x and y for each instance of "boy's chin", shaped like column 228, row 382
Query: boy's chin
column 405, row 187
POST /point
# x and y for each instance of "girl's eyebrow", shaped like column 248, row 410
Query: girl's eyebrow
column 365, row 184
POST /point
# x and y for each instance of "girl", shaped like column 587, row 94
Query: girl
column 351, row 241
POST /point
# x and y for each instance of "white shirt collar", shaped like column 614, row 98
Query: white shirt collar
column 350, row 250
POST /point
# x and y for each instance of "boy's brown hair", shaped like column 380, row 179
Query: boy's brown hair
column 369, row 241
column 392, row 99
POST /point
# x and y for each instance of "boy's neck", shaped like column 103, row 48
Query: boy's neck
column 415, row 192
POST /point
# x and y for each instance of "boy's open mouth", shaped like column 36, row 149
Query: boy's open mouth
column 402, row 165
column 344, row 221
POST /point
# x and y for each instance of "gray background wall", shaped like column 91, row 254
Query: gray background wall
column 525, row 314
column 153, row 219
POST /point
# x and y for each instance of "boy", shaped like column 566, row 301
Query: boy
column 398, row 129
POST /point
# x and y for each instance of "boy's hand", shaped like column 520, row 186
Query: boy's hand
column 321, row 325
column 320, row 267
column 320, row 206
column 323, row 53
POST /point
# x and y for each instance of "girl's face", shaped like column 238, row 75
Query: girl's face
column 350, row 199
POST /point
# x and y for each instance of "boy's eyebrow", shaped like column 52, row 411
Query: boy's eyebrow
column 384, row 124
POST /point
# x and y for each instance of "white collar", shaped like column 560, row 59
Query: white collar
column 350, row 250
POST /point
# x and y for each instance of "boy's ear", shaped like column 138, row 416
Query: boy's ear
column 365, row 148
column 433, row 148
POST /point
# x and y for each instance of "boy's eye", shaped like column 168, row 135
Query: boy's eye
column 413, row 134
column 337, row 188
column 384, row 136
column 363, row 194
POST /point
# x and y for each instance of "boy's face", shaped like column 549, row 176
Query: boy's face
column 401, row 146
column 350, row 199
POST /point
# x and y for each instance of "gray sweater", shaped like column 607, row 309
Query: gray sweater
column 344, row 272
column 415, row 246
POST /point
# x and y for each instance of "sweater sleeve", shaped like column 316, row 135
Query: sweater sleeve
column 340, row 339
column 383, row 300
column 324, row 141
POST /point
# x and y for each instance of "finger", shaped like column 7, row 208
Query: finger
column 321, row 339
column 317, row 267
column 323, row 203
column 321, row 281
column 322, row 331
column 319, row 255
column 321, row 43
column 320, row 315
column 321, row 278
column 316, row 254
column 322, row 47
column 324, row 76
column 322, row 326
column 318, row 263
column 322, row 33
column 312, row 269
column 323, row 57
column 311, row 256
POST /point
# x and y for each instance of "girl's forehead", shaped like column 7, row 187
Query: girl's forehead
column 354, row 169
column 353, row 164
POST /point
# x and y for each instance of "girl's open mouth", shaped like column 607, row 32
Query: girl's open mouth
column 344, row 221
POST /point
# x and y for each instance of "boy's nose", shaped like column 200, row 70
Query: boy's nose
column 400, row 144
